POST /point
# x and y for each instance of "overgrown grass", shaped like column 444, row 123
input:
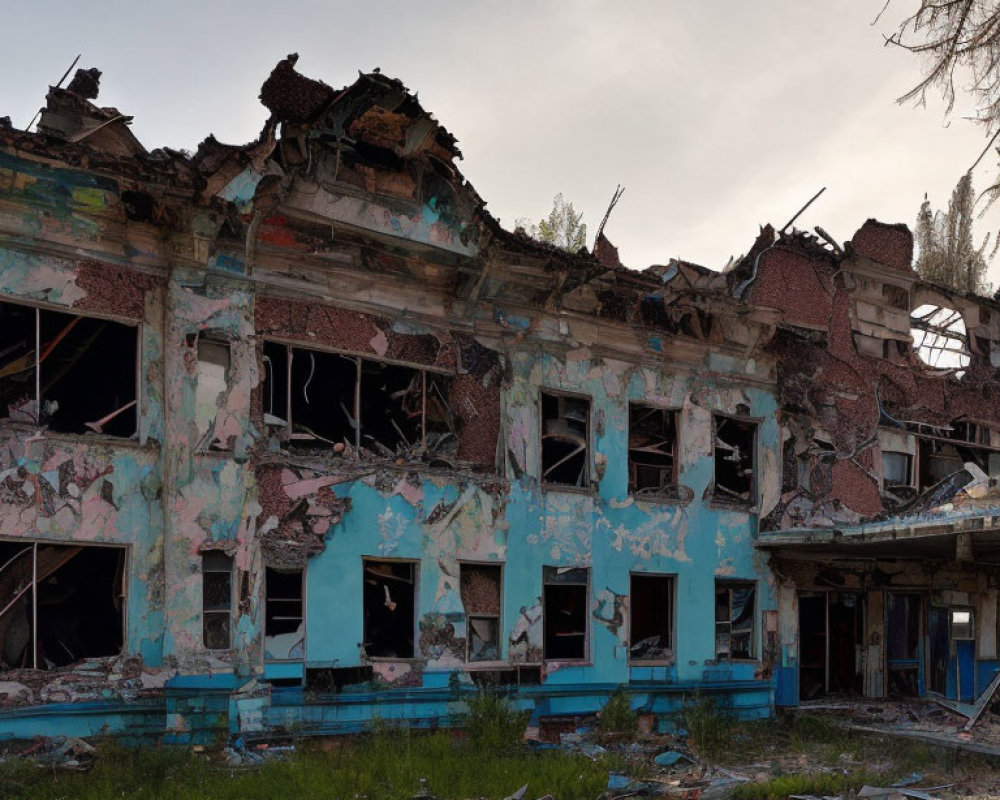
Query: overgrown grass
column 386, row 765
column 818, row 784
column 617, row 715
column 711, row 729
column 493, row 725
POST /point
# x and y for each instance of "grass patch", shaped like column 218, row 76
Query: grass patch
column 493, row 725
column 385, row 765
column 711, row 729
column 819, row 784
column 617, row 715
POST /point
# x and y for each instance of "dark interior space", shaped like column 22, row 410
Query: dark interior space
column 274, row 386
column 734, row 620
column 331, row 680
column 565, row 434
column 650, row 607
column 389, row 608
column 217, row 599
column 88, row 374
column 938, row 650
column 735, row 447
column 391, row 407
column 283, row 606
column 440, row 438
column 903, row 632
column 17, row 357
column 80, row 603
column 652, row 439
column 322, row 397
column 829, row 632
column 565, row 614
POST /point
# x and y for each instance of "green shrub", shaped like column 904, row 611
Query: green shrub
column 710, row 728
column 493, row 724
column 617, row 715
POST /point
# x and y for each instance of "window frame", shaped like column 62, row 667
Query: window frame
column 137, row 328
column 206, row 612
column 675, row 468
column 585, row 657
column 586, row 487
column 33, row 544
column 358, row 400
column 469, row 616
column 729, row 585
column 733, row 503
column 671, row 657
column 415, row 567
column 302, row 618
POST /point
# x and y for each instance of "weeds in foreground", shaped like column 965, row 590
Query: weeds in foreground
column 617, row 715
column 819, row 784
column 383, row 765
column 493, row 724
column 711, row 729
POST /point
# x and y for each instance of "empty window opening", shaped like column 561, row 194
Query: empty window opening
column 565, row 438
column 896, row 468
column 565, row 613
column 735, row 460
column 830, row 633
column 322, row 399
column 217, row 600
column 481, row 590
column 734, row 620
column 651, row 617
column 60, row 603
column 652, row 449
column 389, row 608
column 284, row 616
column 940, row 337
column 81, row 372
column 213, row 383
column 392, row 407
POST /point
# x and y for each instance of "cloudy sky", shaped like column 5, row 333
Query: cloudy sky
column 716, row 115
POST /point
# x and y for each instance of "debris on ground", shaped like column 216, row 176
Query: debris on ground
column 59, row 752
column 240, row 754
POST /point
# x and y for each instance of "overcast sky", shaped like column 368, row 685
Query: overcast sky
column 715, row 116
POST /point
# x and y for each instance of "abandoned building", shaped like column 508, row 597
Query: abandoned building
column 295, row 434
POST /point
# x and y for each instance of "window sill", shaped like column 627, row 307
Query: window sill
column 683, row 496
column 587, row 491
column 393, row 660
column 567, row 662
column 721, row 505
column 659, row 662
column 102, row 439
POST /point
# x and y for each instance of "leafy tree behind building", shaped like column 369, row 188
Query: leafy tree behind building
column 946, row 251
column 562, row 227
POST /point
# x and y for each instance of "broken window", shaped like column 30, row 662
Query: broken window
column 961, row 624
column 60, row 603
column 213, row 372
column 652, row 449
column 217, row 599
column 895, row 468
column 389, row 608
column 322, row 398
column 565, row 613
column 80, row 371
column 565, row 438
column 481, row 591
column 734, row 620
column 651, row 617
column 284, row 617
column 940, row 337
column 735, row 460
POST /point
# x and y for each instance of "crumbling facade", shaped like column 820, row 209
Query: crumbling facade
column 294, row 435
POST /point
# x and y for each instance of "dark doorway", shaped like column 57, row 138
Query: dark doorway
column 830, row 630
column 903, row 633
